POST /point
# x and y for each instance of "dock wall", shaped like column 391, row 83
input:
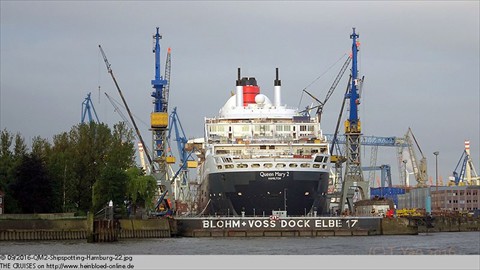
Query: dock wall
column 77, row 228
column 399, row 226
column 452, row 224
column 284, row 227
column 150, row 228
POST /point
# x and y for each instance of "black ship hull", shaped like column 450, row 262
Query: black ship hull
column 259, row 193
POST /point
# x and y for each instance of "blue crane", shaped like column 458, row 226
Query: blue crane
column 375, row 141
column 465, row 173
column 87, row 106
column 370, row 140
column 181, row 139
column 159, row 116
column 353, row 171
column 159, row 123
column 459, row 172
column 386, row 174
column 160, row 99
column 353, row 121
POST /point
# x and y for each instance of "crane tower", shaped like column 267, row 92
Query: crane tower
column 159, row 122
column 87, row 104
column 353, row 180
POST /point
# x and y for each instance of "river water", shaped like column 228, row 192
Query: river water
column 455, row 250
column 452, row 243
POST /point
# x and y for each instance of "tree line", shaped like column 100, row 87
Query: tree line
column 79, row 171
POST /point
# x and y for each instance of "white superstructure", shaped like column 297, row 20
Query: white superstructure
column 269, row 141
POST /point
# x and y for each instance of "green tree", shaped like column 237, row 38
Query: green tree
column 141, row 189
column 9, row 161
column 90, row 144
column 33, row 187
column 6, row 159
column 111, row 185
column 71, row 166
column 20, row 148
column 43, row 149
column 121, row 150
column 60, row 167
column 96, row 149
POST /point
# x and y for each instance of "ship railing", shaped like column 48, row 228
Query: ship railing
column 263, row 155
column 262, row 141
column 214, row 138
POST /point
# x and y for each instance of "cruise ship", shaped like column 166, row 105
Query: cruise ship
column 259, row 157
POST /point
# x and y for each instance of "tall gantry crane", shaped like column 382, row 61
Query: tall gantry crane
column 353, row 180
column 159, row 121
column 87, row 106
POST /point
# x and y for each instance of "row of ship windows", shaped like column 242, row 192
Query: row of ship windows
column 270, row 165
column 230, row 160
column 258, row 128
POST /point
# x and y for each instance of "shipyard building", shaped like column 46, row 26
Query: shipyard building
column 442, row 198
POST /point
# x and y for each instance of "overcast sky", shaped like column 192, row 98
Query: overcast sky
column 420, row 61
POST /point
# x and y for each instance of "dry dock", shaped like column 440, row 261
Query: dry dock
column 288, row 226
column 64, row 228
